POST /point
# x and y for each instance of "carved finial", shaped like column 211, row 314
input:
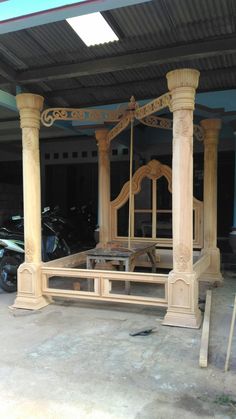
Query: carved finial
column 132, row 104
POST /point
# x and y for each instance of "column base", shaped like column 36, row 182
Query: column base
column 189, row 320
column 213, row 273
column 29, row 303
column 183, row 308
column 214, row 278
column 29, row 284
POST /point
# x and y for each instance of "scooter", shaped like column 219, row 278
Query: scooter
column 11, row 256
column 12, row 250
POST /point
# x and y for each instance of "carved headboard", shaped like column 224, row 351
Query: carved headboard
column 153, row 222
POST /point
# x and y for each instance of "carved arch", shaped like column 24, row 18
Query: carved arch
column 154, row 170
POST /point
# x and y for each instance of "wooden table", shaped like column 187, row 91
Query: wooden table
column 127, row 258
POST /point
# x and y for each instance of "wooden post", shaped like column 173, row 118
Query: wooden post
column 183, row 308
column 203, row 357
column 230, row 336
column 103, row 185
column 211, row 129
column 29, row 295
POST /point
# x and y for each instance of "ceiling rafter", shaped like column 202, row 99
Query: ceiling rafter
column 130, row 84
column 7, row 72
column 128, row 61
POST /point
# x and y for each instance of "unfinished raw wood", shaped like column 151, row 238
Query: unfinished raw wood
column 203, row 359
column 102, row 290
column 29, row 294
column 154, row 171
column 182, row 284
column 230, row 336
column 211, row 129
column 182, row 293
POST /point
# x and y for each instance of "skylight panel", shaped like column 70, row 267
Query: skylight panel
column 93, row 29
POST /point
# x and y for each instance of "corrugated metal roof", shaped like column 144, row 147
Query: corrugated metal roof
column 147, row 26
column 153, row 24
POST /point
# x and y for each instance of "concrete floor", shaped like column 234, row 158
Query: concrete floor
column 77, row 360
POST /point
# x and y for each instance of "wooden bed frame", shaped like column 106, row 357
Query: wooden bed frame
column 181, row 283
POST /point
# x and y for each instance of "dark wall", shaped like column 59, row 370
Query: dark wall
column 11, row 191
column 225, row 192
column 71, row 185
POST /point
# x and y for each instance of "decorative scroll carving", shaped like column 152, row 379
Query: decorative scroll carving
column 144, row 114
column 157, row 122
column 49, row 116
column 182, row 256
column 165, row 123
column 124, row 122
column 154, row 106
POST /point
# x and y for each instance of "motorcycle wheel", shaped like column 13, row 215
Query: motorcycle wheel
column 8, row 281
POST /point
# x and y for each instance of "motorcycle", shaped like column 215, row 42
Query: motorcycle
column 12, row 249
column 84, row 220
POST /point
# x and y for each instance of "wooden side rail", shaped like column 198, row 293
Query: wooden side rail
column 202, row 264
column 67, row 261
column 102, row 285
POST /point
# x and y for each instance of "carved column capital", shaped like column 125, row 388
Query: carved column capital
column 182, row 84
column 101, row 135
column 211, row 128
column 30, row 107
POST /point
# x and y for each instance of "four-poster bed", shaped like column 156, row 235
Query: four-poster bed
column 181, row 284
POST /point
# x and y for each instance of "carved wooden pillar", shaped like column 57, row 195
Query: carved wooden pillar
column 103, row 185
column 211, row 129
column 29, row 294
column 182, row 284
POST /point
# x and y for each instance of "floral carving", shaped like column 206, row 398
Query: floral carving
column 183, row 125
column 182, row 256
column 29, row 254
column 30, row 141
